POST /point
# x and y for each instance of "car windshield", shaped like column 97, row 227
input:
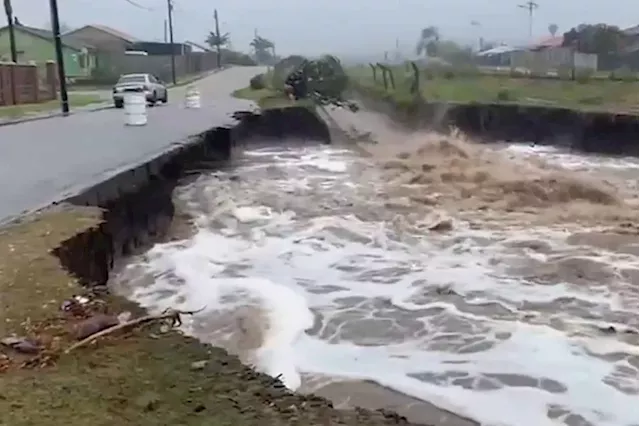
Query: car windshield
column 125, row 79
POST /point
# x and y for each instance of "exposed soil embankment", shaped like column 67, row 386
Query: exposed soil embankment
column 148, row 376
column 600, row 132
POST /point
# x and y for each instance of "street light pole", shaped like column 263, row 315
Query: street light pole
column 530, row 6
column 477, row 24
column 62, row 78
column 218, row 55
column 12, row 47
column 12, row 35
column 173, row 53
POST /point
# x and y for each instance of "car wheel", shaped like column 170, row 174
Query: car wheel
column 153, row 100
column 165, row 98
column 118, row 104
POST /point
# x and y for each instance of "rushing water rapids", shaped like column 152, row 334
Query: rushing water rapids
column 314, row 265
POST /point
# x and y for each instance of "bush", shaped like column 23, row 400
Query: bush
column 236, row 58
column 623, row 74
column 505, row 95
column 592, row 100
column 583, row 76
column 514, row 73
column 449, row 74
column 257, row 82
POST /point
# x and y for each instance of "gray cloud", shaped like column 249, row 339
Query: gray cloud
column 340, row 26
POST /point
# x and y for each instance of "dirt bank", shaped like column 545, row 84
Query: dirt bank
column 145, row 376
column 599, row 132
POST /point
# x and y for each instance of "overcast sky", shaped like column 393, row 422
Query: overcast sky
column 336, row 26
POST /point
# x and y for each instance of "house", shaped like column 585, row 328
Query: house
column 547, row 43
column 157, row 48
column 499, row 56
column 36, row 44
column 101, row 37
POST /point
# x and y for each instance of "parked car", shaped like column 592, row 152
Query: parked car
column 154, row 89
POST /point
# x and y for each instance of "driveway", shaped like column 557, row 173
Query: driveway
column 48, row 160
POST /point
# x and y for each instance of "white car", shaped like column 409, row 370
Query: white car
column 154, row 89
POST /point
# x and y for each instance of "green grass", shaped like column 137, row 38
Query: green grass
column 144, row 377
column 268, row 98
column 75, row 101
column 467, row 87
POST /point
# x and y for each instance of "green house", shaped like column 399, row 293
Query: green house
column 35, row 44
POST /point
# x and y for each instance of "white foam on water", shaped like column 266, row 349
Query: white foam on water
column 572, row 160
column 347, row 273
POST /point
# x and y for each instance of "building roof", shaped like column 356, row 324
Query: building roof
column 498, row 50
column 631, row 31
column 111, row 31
column 198, row 46
column 548, row 42
column 47, row 35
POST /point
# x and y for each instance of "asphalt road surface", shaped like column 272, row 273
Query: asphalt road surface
column 44, row 161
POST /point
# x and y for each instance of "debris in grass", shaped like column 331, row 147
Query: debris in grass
column 21, row 345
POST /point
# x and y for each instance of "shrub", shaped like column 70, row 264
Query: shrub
column 449, row 74
column 592, row 100
column 257, row 82
column 583, row 76
column 514, row 73
column 623, row 74
column 505, row 95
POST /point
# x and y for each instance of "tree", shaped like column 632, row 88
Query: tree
column 428, row 42
column 453, row 52
column 264, row 49
column 214, row 41
column 553, row 29
column 599, row 39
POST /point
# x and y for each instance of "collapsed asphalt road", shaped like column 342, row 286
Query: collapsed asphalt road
column 47, row 160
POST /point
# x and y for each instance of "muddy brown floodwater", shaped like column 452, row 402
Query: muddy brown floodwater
column 452, row 282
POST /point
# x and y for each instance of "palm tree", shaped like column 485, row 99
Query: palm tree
column 428, row 42
column 553, row 29
column 264, row 48
column 214, row 41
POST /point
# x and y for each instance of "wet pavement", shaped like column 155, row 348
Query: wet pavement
column 47, row 160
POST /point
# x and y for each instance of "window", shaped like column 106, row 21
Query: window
column 134, row 78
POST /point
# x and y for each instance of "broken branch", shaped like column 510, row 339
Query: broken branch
column 169, row 314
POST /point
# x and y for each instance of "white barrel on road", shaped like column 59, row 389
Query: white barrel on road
column 135, row 109
column 192, row 98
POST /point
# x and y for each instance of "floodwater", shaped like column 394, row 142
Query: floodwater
column 497, row 283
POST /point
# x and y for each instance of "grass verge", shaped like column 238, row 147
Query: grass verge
column 76, row 100
column 583, row 94
column 266, row 98
column 146, row 377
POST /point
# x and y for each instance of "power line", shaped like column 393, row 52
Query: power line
column 139, row 6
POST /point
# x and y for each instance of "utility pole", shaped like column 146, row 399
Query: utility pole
column 255, row 49
column 12, row 47
column 166, row 32
column 173, row 52
column 62, row 78
column 530, row 6
column 478, row 25
column 12, row 35
column 218, row 41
